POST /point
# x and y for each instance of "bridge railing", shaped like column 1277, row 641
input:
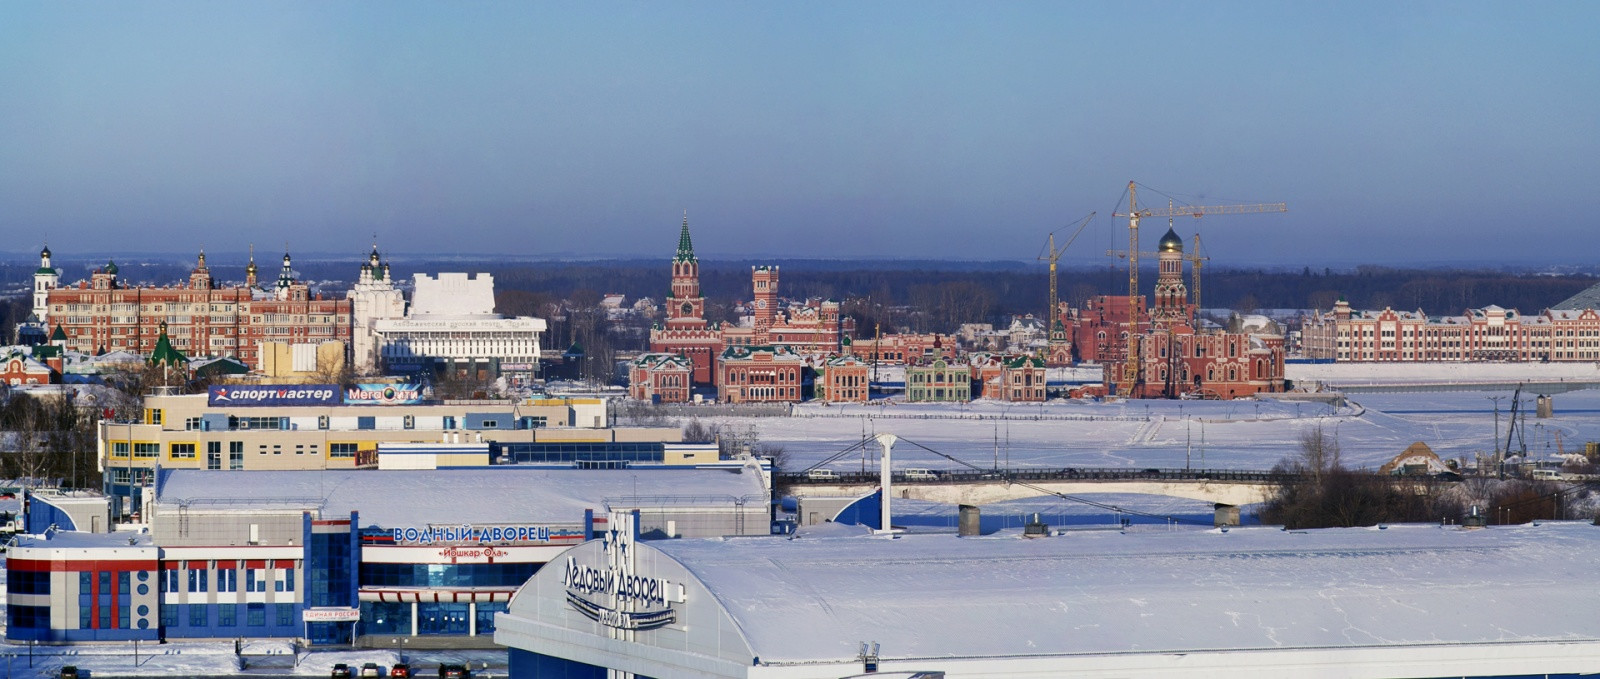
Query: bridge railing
column 958, row 476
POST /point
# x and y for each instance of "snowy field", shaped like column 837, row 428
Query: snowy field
column 1245, row 434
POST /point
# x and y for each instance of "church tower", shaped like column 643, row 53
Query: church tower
column 372, row 298
column 200, row 278
column 685, row 305
column 1172, row 296
column 285, row 279
column 45, row 279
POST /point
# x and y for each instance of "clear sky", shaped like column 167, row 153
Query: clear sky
column 1396, row 131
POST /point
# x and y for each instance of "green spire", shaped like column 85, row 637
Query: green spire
column 164, row 353
column 685, row 246
column 59, row 335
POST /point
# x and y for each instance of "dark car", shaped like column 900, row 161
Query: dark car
column 340, row 671
column 454, row 672
column 400, row 669
column 68, row 672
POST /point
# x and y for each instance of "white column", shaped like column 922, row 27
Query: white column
column 472, row 618
column 413, row 618
column 885, row 476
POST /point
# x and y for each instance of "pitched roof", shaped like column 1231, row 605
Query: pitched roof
column 164, row 352
column 1588, row 299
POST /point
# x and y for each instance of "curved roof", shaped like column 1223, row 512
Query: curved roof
column 1170, row 242
column 939, row 596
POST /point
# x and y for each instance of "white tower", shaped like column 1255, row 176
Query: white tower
column 374, row 297
column 44, row 280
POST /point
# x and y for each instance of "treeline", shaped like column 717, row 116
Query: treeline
column 916, row 296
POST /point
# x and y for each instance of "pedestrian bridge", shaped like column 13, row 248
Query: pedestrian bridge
column 969, row 487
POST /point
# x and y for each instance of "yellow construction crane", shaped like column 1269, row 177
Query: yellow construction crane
column 1052, row 254
column 1131, row 364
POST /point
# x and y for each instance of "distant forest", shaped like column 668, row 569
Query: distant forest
column 918, row 296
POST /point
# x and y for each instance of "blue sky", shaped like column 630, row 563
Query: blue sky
column 1418, row 132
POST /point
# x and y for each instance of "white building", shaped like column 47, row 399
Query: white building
column 1409, row 601
column 374, row 297
column 452, row 326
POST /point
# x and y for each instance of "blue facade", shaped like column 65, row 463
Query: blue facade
column 331, row 560
column 40, row 515
column 530, row 665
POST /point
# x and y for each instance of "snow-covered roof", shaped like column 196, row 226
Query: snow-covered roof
column 509, row 494
column 939, row 596
column 1589, row 298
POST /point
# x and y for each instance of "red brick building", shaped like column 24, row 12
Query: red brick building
column 843, row 379
column 759, row 374
column 685, row 330
column 663, row 378
column 1176, row 357
column 903, row 348
column 102, row 314
column 810, row 328
column 1489, row 333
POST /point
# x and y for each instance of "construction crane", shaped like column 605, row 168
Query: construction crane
column 1052, row 254
column 1131, row 364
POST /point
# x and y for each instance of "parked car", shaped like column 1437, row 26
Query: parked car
column 340, row 671
column 371, row 669
column 454, row 672
column 400, row 669
column 68, row 672
column 921, row 475
column 822, row 475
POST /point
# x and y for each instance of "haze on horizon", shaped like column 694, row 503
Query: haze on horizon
column 1396, row 132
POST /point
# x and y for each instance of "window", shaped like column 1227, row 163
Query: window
column 253, row 582
column 169, row 615
column 213, row 455
column 172, row 581
column 119, row 449
column 197, row 580
column 285, row 614
column 342, row 449
column 285, row 582
column 181, row 451
column 226, row 614
column 255, row 615
column 146, row 449
column 236, row 455
column 227, row 580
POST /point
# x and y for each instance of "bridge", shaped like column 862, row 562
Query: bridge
column 981, row 487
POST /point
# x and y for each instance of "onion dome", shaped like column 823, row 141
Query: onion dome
column 1170, row 242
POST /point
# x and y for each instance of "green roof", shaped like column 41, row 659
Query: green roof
column 685, row 245
column 59, row 335
column 164, row 353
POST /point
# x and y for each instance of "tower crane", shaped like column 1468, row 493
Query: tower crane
column 1052, row 254
column 1131, row 365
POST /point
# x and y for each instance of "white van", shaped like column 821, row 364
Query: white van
column 920, row 475
column 821, row 475
column 1547, row 475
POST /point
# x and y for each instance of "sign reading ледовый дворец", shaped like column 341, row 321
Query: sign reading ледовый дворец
column 614, row 594
column 384, row 394
column 273, row 395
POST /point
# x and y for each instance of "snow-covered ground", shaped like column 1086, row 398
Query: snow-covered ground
column 1246, row 434
column 1360, row 373
column 203, row 659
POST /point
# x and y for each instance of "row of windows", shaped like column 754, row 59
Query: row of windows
column 431, row 618
column 227, row 615
column 446, row 575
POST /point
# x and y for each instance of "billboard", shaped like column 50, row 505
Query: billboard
column 273, row 395
column 383, row 394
